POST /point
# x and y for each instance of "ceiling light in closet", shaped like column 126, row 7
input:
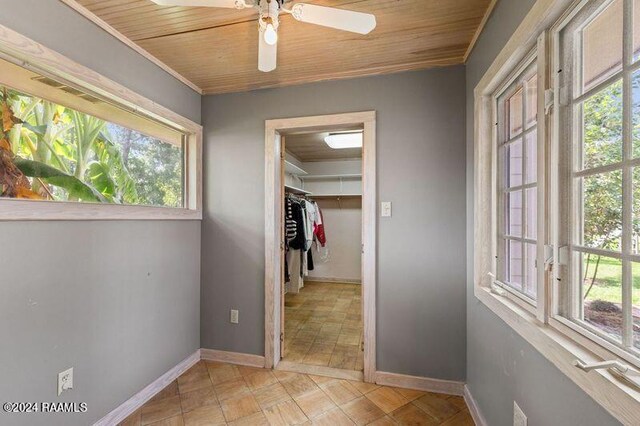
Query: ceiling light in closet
column 344, row 140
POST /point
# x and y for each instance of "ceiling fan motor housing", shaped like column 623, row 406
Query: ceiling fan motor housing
column 269, row 11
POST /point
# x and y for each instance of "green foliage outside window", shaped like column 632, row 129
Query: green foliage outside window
column 51, row 152
column 602, row 193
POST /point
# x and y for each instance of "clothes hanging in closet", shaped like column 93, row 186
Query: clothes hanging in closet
column 320, row 236
column 303, row 227
column 290, row 223
column 309, row 224
column 296, row 237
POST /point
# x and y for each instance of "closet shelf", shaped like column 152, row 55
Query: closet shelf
column 336, row 196
column 291, row 168
column 294, row 190
column 340, row 176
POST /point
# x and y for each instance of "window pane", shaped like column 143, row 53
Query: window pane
column 602, row 46
column 636, row 30
column 532, row 213
column 514, row 170
column 532, row 100
column 635, row 84
column 602, row 293
column 532, row 156
column 531, row 288
column 59, row 154
column 602, row 209
column 635, row 302
column 514, row 265
column 602, row 127
column 155, row 167
column 514, row 213
column 515, row 114
column 635, row 226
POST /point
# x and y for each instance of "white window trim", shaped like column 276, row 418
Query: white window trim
column 519, row 297
column 575, row 328
column 561, row 345
column 20, row 50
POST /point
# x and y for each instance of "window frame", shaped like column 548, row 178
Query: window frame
column 32, row 56
column 525, row 70
column 557, row 342
column 564, row 183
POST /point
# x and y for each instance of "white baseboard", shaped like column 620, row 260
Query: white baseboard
column 448, row 387
column 128, row 407
column 232, row 357
column 333, row 280
column 473, row 408
column 136, row 401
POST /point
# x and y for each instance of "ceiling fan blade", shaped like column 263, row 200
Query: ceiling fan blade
column 267, row 54
column 346, row 20
column 232, row 4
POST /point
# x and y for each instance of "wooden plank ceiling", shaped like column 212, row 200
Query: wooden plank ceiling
column 217, row 49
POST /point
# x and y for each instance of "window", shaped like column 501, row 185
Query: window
column 517, row 184
column 599, row 290
column 75, row 145
column 579, row 62
column 60, row 154
column 57, row 153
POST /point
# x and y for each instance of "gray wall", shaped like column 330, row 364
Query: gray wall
column 421, row 265
column 118, row 301
column 501, row 366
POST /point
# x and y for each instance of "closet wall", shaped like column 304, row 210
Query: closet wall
column 342, row 217
column 343, row 228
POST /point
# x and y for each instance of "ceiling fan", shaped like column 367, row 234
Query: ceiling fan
column 346, row 20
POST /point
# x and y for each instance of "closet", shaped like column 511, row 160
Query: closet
column 322, row 233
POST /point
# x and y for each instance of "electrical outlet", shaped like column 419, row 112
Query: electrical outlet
column 65, row 380
column 234, row 316
column 385, row 209
column 519, row 419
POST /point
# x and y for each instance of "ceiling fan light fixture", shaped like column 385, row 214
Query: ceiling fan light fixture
column 270, row 35
column 268, row 23
column 344, row 140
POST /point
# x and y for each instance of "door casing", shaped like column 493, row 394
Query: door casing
column 274, row 131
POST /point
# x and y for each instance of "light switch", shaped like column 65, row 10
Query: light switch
column 234, row 316
column 385, row 209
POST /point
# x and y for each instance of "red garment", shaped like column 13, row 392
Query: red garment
column 319, row 229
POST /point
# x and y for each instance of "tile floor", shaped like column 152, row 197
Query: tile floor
column 213, row 393
column 323, row 326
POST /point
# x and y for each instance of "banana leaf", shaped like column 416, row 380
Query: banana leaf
column 75, row 187
column 99, row 174
column 38, row 130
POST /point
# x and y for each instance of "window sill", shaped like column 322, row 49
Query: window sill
column 618, row 398
column 20, row 210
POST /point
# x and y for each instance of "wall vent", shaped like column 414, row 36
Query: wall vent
column 67, row 89
column 48, row 82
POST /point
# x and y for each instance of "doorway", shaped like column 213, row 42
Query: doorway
column 305, row 313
